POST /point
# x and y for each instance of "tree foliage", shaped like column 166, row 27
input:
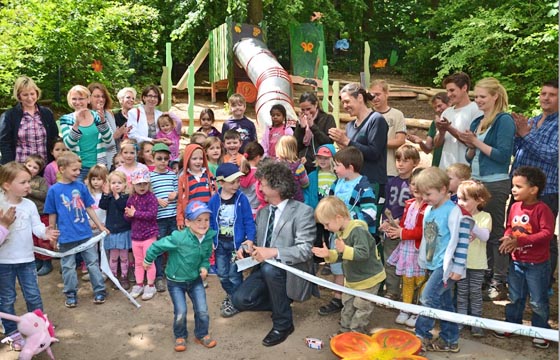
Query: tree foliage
column 515, row 41
column 56, row 41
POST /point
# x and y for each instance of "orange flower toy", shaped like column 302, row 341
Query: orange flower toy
column 387, row 344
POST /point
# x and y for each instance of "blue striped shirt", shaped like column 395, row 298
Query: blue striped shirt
column 539, row 148
column 162, row 185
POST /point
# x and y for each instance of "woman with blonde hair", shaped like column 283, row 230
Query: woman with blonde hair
column 27, row 128
column 489, row 147
column 84, row 132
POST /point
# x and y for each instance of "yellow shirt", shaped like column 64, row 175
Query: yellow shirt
column 476, row 256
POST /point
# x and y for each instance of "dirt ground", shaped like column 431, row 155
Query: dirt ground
column 118, row 330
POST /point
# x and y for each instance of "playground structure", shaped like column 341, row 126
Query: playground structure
column 239, row 61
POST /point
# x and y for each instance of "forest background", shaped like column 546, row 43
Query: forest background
column 60, row 42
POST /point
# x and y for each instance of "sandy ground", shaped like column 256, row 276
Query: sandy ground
column 118, row 330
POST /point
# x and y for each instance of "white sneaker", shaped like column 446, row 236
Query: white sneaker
column 402, row 318
column 411, row 322
column 136, row 291
column 149, row 292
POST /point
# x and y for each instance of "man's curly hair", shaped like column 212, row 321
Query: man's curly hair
column 278, row 176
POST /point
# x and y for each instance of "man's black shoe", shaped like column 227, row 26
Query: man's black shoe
column 275, row 337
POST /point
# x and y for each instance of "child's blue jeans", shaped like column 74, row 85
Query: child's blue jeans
column 438, row 295
column 197, row 294
column 229, row 277
column 533, row 280
column 26, row 274
column 68, row 264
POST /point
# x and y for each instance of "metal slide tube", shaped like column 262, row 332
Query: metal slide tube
column 271, row 80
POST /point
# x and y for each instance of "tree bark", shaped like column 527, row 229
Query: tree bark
column 255, row 12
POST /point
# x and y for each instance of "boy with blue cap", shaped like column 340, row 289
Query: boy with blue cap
column 187, row 267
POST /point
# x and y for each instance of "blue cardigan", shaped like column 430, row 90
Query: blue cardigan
column 500, row 137
column 243, row 226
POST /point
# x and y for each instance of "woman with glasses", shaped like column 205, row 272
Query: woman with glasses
column 367, row 132
column 84, row 132
column 142, row 120
column 27, row 128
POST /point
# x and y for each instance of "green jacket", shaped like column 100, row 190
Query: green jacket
column 361, row 261
column 186, row 254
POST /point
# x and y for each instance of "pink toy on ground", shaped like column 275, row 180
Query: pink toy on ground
column 37, row 331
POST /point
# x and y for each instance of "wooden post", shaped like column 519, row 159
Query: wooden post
column 336, row 102
column 190, row 87
column 166, row 82
column 326, row 89
column 367, row 75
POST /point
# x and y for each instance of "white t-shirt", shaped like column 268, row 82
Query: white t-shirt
column 18, row 246
column 397, row 124
column 453, row 150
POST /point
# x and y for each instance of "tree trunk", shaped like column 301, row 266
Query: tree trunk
column 255, row 12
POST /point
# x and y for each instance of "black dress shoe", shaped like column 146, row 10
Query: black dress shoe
column 275, row 337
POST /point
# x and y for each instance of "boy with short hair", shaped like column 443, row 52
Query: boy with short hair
column 529, row 230
column 68, row 204
column 355, row 191
column 164, row 186
column 397, row 191
column 363, row 269
column 457, row 173
column 443, row 253
column 232, row 144
column 187, row 267
column 232, row 218
column 239, row 122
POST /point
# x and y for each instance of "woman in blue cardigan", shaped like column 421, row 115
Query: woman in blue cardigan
column 490, row 145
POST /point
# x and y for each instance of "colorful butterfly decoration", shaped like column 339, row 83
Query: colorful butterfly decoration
column 307, row 46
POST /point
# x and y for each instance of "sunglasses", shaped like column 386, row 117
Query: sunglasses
column 161, row 158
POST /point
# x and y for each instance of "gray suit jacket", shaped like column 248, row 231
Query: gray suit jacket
column 293, row 235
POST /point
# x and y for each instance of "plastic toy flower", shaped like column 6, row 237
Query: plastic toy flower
column 388, row 344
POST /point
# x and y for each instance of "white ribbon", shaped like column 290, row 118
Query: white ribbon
column 490, row 324
column 104, row 266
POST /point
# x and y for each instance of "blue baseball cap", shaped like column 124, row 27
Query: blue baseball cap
column 195, row 209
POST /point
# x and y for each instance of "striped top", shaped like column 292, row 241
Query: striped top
column 199, row 187
column 162, row 185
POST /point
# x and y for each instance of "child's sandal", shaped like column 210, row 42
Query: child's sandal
column 180, row 344
column 206, row 341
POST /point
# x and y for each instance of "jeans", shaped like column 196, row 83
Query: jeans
column 68, row 264
column 438, row 295
column 229, row 277
column 197, row 294
column 528, row 279
column 166, row 227
column 496, row 207
column 26, row 274
column 265, row 290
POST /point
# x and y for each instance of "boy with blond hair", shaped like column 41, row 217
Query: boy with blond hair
column 443, row 253
column 239, row 122
column 363, row 269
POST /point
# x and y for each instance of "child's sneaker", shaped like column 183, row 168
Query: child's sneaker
column 540, row 343
column 206, row 341
column 180, row 345
column 85, row 277
column 71, row 300
column 477, row 332
column 229, row 310
column 501, row 334
column 99, row 298
column 137, row 290
column 124, row 283
column 15, row 341
column 149, row 292
column 411, row 322
column 160, row 285
column 440, row 345
column 334, row 306
column 402, row 318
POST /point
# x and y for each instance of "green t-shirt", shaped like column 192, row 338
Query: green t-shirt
column 436, row 152
column 88, row 145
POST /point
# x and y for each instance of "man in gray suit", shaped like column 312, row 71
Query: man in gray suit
column 285, row 233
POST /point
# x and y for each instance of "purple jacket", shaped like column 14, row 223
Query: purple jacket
column 143, row 225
